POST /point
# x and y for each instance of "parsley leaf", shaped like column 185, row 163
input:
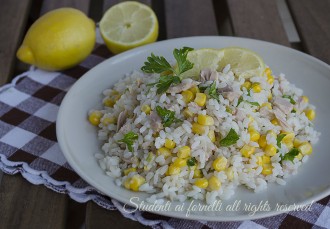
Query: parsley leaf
column 231, row 138
column 191, row 161
column 156, row 64
column 129, row 139
column 290, row 98
column 291, row 155
column 167, row 116
column 240, row 99
column 279, row 139
column 181, row 58
column 253, row 103
column 165, row 82
column 213, row 91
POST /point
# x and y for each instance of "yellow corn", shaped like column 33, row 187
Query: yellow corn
column 184, row 152
column 305, row 148
column 288, row 139
column 134, row 182
column 230, row 173
column 188, row 96
column 205, row 120
column 198, row 128
column 270, row 150
column 259, row 160
column 187, row 113
column 109, row 102
column 270, row 96
column 194, row 90
column 267, row 169
column 251, row 119
column 299, row 156
column 164, row 151
column 262, row 141
column 214, row 183
column 305, row 99
column 220, row 163
column 173, row 170
column 108, row 120
column 254, row 135
column 268, row 105
column 270, row 79
column 129, row 170
column 197, row 173
column 146, row 109
column 268, row 71
column 169, row 144
column 271, row 132
column 265, row 159
column 297, row 142
column 202, row 183
column 247, row 85
column 310, row 114
column 95, row 117
column 247, row 151
column 211, row 135
column 275, row 122
column 256, row 87
column 200, row 99
column 180, row 162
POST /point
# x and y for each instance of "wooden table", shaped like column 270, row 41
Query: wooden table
column 23, row 205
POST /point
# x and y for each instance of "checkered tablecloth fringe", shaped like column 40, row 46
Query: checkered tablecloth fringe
column 28, row 145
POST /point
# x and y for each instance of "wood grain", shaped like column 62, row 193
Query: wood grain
column 12, row 29
column 49, row 5
column 313, row 23
column 190, row 18
column 257, row 19
column 30, row 206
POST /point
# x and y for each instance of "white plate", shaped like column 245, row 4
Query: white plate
column 79, row 143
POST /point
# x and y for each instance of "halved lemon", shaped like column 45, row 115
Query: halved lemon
column 202, row 58
column 128, row 25
column 243, row 62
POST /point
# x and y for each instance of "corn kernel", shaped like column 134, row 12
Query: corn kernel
column 259, row 160
column 272, row 133
column 267, row 169
column 256, row 87
column 205, row 120
column 200, row 99
column 305, row 99
column 197, row 173
column 169, row 144
column 164, row 151
column 202, row 183
column 305, row 148
column 268, row 105
column 270, row 96
column 211, row 135
column 184, row 152
column 262, row 141
column 194, row 90
column 108, row 120
column 268, row 71
column 288, row 139
column 297, row 142
column 134, row 182
column 219, row 163
column 95, row 117
column 299, row 156
column 265, row 159
column 146, row 109
column 247, row 151
column 173, row 170
column 188, row 96
column 254, row 135
column 197, row 128
column 275, row 122
column 230, row 173
column 270, row 150
column 214, row 183
column 180, row 162
column 109, row 102
column 187, row 113
column 310, row 114
column 129, row 170
column 270, row 79
column 246, row 85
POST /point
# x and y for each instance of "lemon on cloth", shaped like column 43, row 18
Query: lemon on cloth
column 58, row 40
column 243, row 62
column 128, row 25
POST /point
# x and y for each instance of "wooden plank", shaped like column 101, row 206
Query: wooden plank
column 48, row 5
column 30, row 206
column 313, row 23
column 190, row 18
column 108, row 3
column 103, row 218
column 12, row 28
column 257, row 19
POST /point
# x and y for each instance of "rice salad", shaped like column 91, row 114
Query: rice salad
column 202, row 136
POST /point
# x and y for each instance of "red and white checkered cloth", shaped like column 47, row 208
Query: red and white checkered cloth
column 28, row 145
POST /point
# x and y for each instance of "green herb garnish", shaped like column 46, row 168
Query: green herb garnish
column 167, row 116
column 231, row 138
column 170, row 75
column 129, row 139
column 290, row 155
column 253, row 103
column 290, row 98
column 191, row 161
column 279, row 139
column 240, row 100
column 213, row 91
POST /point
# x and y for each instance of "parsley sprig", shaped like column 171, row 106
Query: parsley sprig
column 167, row 116
column 231, row 138
column 213, row 93
column 290, row 155
column 290, row 98
column 129, row 140
column 170, row 75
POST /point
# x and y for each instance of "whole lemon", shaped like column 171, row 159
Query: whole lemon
column 58, row 40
